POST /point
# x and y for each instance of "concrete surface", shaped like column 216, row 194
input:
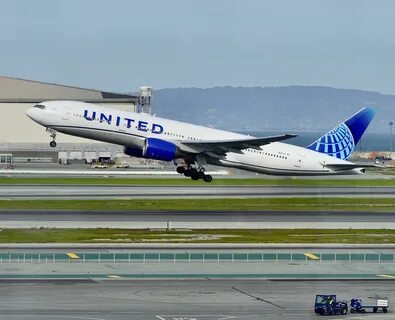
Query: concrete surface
column 196, row 219
column 180, row 300
column 132, row 192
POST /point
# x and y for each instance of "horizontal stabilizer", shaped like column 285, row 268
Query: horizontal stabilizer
column 350, row 166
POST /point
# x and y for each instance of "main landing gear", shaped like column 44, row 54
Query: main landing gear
column 194, row 173
column 53, row 136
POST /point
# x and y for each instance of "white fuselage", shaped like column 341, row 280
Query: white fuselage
column 131, row 129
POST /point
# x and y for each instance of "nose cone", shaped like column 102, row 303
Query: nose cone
column 32, row 113
column 29, row 113
column 35, row 114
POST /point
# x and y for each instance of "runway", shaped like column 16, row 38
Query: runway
column 196, row 219
column 205, row 191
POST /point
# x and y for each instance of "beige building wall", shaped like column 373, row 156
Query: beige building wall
column 18, row 95
column 12, row 88
column 16, row 127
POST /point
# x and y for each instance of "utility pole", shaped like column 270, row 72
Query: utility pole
column 391, row 123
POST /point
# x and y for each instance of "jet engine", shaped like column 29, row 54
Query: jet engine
column 134, row 152
column 154, row 148
column 159, row 149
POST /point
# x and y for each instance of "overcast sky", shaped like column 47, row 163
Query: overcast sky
column 118, row 45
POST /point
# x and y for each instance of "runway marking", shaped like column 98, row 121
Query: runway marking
column 257, row 298
column 311, row 256
column 386, row 276
column 73, row 255
column 53, row 317
column 194, row 317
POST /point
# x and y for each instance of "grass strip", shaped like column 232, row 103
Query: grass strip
column 223, row 204
column 197, row 236
column 165, row 181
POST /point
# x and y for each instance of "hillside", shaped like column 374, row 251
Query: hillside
column 293, row 108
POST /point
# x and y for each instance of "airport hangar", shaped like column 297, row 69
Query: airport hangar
column 24, row 141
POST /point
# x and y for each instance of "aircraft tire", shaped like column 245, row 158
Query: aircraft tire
column 189, row 172
column 195, row 176
column 52, row 144
column 207, row 178
column 181, row 170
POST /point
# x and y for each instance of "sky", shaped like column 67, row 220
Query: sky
column 120, row 45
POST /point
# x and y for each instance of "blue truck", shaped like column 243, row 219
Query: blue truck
column 327, row 304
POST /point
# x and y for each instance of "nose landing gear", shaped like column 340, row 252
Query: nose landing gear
column 194, row 173
column 53, row 136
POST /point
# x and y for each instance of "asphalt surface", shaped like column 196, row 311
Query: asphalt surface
column 196, row 219
column 131, row 192
column 179, row 300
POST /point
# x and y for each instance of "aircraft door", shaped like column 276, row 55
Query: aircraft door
column 66, row 113
column 298, row 162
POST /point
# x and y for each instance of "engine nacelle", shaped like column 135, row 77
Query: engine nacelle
column 134, row 152
column 156, row 149
column 159, row 149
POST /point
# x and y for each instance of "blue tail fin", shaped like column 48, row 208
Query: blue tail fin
column 341, row 141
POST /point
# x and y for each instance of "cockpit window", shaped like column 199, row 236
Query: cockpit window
column 40, row 106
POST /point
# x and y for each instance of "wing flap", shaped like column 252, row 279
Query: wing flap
column 223, row 146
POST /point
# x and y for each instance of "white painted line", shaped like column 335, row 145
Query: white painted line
column 51, row 316
column 195, row 316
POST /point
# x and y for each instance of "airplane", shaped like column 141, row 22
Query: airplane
column 191, row 147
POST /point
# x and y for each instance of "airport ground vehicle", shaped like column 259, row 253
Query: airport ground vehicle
column 357, row 305
column 326, row 304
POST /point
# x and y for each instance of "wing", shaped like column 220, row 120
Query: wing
column 223, row 146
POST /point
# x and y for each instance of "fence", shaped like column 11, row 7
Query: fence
column 140, row 257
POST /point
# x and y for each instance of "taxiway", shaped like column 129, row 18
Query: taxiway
column 174, row 300
column 196, row 219
column 176, row 192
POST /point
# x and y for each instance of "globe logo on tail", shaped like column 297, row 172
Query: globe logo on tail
column 341, row 141
column 338, row 143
